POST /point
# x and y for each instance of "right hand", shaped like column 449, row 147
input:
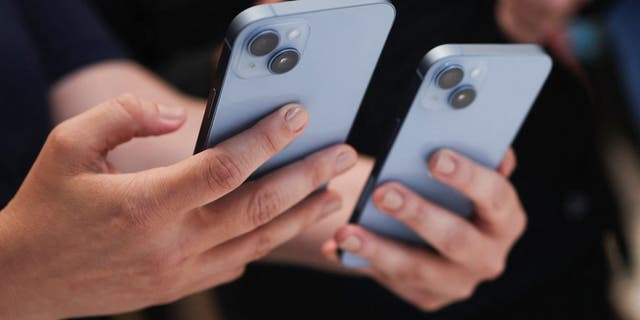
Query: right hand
column 80, row 239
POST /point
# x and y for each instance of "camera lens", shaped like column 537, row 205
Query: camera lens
column 284, row 61
column 463, row 97
column 264, row 43
column 450, row 77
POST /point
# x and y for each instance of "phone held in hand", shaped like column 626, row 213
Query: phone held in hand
column 320, row 54
column 472, row 99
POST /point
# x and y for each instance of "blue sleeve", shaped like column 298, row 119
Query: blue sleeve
column 69, row 35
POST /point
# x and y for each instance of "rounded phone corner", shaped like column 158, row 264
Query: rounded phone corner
column 394, row 11
column 246, row 18
column 437, row 54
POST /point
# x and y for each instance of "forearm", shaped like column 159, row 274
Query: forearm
column 94, row 84
column 305, row 249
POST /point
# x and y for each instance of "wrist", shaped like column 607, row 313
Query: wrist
column 16, row 301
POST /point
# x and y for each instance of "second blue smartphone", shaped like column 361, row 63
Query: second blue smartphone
column 321, row 54
column 470, row 98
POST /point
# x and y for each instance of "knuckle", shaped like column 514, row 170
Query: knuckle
column 421, row 275
column 455, row 242
column 466, row 293
column 170, row 297
column 138, row 212
column 263, row 206
column 157, row 265
column 235, row 274
column 520, row 225
column 127, row 101
column 498, row 195
column 263, row 244
column 62, row 137
column 222, row 172
column 418, row 211
column 495, row 269
column 317, row 171
column 498, row 198
column 430, row 305
column 267, row 141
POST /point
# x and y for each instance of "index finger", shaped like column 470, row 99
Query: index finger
column 214, row 173
column 495, row 200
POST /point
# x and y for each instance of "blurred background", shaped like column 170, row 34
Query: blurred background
column 180, row 40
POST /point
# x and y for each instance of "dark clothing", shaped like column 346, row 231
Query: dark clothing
column 41, row 41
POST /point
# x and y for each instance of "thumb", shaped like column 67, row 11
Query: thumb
column 96, row 132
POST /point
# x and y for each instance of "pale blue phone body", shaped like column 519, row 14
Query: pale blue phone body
column 339, row 41
column 507, row 79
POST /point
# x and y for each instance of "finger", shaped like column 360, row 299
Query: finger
column 405, row 265
column 508, row 164
column 452, row 236
column 424, row 300
column 330, row 251
column 514, row 25
column 96, row 132
column 258, row 203
column 495, row 199
column 257, row 244
column 213, row 173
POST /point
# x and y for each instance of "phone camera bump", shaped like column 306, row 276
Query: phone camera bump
column 285, row 61
column 264, row 43
column 450, row 77
column 463, row 97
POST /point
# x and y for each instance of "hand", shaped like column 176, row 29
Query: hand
column 81, row 239
column 536, row 21
column 466, row 252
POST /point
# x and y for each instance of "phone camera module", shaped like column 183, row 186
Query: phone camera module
column 463, row 97
column 450, row 77
column 285, row 61
column 264, row 43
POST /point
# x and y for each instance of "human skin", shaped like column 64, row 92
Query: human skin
column 466, row 252
column 541, row 21
column 82, row 239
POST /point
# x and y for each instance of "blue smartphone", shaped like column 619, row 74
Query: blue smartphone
column 469, row 98
column 321, row 54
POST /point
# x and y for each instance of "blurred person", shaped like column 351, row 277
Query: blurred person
column 81, row 237
column 556, row 270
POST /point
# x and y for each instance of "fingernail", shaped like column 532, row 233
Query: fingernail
column 170, row 113
column 331, row 207
column 345, row 161
column 295, row 119
column 392, row 200
column 445, row 164
column 351, row 244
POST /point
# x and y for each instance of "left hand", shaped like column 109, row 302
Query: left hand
column 466, row 252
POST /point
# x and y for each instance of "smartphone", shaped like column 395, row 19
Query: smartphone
column 469, row 98
column 321, row 54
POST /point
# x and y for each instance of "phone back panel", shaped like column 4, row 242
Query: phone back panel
column 507, row 79
column 341, row 42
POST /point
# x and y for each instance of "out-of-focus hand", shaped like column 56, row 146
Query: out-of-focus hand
column 536, row 21
column 466, row 252
column 81, row 239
